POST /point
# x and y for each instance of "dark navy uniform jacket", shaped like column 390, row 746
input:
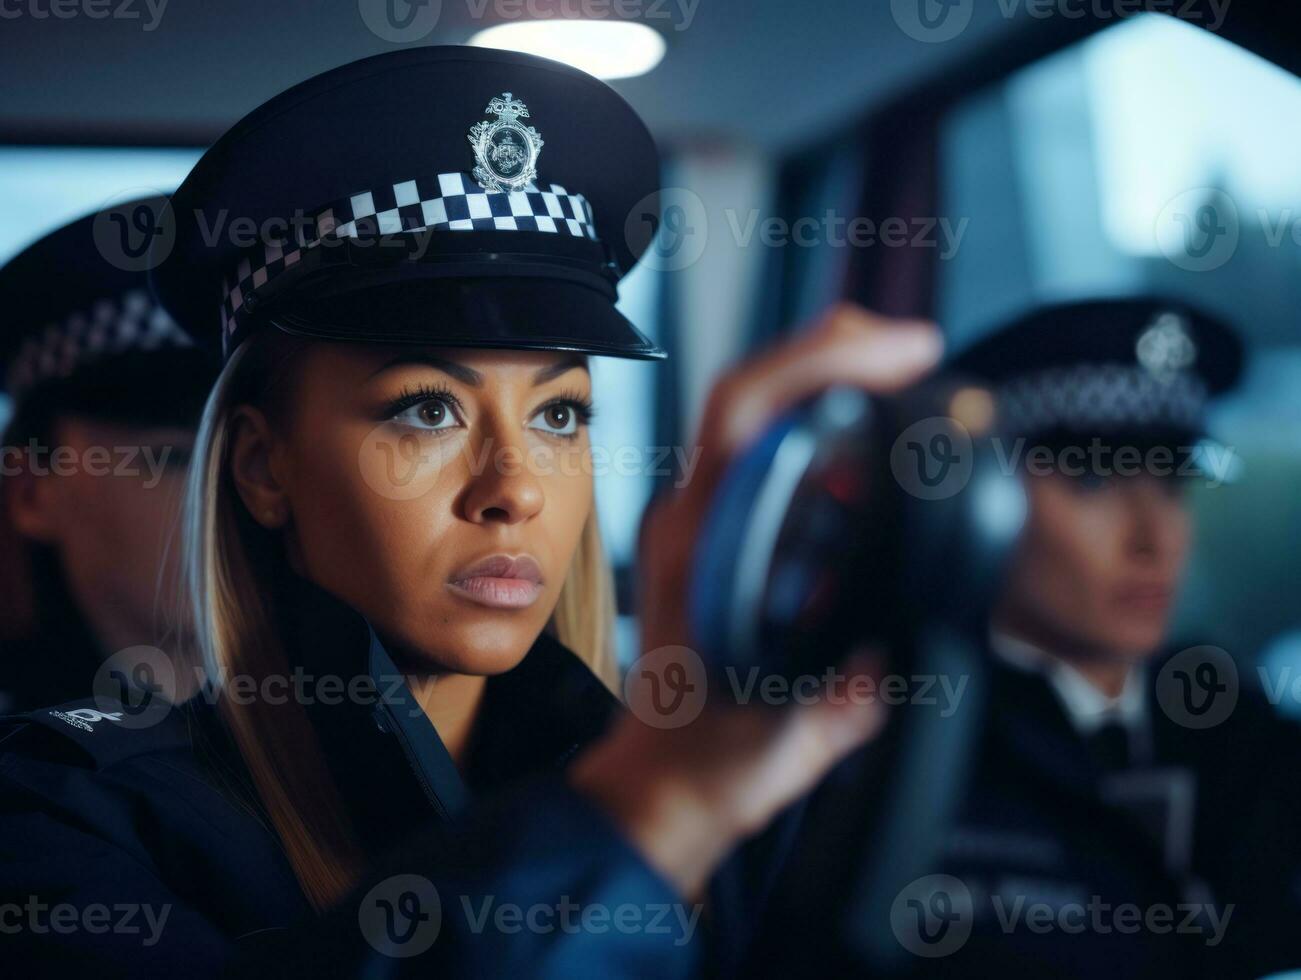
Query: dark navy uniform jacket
column 35, row 673
column 142, row 851
column 57, row 662
column 1049, row 830
column 1042, row 855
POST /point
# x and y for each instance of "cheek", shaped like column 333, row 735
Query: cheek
column 119, row 522
column 1068, row 555
column 569, row 500
column 1181, row 536
column 166, row 501
column 376, row 522
column 365, row 509
column 94, row 513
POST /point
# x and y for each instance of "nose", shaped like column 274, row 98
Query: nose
column 503, row 487
column 1156, row 519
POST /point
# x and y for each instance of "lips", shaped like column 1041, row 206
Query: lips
column 1149, row 598
column 500, row 582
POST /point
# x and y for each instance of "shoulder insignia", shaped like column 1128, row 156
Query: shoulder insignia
column 105, row 732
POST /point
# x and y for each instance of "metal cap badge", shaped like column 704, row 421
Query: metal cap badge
column 1165, row 348
column 506, row 150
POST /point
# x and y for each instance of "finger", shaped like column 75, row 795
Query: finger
column 848, row 347
column 798, row 746
column 841, row 719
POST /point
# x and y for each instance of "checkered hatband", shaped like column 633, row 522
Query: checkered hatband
column 447, row 202
column 131, row 321
column 1102, row 396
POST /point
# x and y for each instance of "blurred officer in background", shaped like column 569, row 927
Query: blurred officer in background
column 106, row 394
column 1126, row 817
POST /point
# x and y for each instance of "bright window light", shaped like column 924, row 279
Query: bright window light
column 44, row 187
column 1175, row 108
column 604, row 48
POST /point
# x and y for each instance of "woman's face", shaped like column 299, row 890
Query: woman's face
column 1098, row 567
column 441, row 493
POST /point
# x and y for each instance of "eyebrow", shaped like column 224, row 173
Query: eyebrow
column 472, row 377
column 556, row 370
column 460, row 372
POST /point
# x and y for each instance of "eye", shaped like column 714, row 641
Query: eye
column 562, row 417
column 1090, row 482
column 1174, row 486
column 558, row 419
column 429, row 410
column 432, row 414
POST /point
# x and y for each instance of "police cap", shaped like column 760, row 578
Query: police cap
column 452, row 196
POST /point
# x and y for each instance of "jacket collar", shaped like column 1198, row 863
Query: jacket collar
column 1087, row 708
column 57, row 660
column 392, row 768
column 1033, row 735
column 1031, row 724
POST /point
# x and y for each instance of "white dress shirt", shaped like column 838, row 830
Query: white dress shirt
column 1087, row 707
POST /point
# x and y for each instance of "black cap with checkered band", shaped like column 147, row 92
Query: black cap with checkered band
column 450, row 196
column 1141, row 368
column 81, row 330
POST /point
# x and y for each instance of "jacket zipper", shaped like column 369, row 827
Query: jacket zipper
column 391, row 726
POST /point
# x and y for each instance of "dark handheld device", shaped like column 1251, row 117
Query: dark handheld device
column 852, row 521
column 859, row 521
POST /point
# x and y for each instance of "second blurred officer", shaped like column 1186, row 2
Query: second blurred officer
column 107, row 393
column 1121, row 821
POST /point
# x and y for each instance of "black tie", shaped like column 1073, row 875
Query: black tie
column 1109, row 746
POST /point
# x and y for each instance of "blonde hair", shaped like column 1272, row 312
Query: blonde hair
column 228, row 577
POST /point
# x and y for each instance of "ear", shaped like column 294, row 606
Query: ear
column 253, row 448
column 33, row 509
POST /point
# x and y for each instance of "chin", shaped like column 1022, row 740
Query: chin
column 1134, row 644
column 479, row 648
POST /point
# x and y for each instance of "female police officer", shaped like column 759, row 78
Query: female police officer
column 389, row 496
